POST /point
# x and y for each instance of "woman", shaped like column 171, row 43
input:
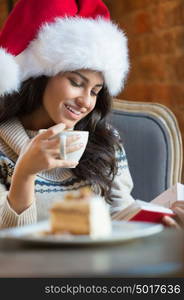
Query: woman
column 56, row 87
column 59, row 72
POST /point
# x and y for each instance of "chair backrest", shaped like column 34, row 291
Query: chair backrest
column 153, row 144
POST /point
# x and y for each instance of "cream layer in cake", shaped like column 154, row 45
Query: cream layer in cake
column 81, row 217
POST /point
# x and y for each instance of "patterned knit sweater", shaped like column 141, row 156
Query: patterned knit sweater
column 50, row 185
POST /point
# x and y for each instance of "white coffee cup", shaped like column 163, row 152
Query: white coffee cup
column 76, row 155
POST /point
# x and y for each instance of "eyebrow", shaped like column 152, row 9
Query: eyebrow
column 85, row 78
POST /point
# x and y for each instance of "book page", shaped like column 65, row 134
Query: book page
column 126, row 212
column 180, row 192
column 154, row 207
column 168, row 197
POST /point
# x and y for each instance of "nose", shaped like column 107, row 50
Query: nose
column 84, row 100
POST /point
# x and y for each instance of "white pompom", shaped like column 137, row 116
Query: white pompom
column 9, row 73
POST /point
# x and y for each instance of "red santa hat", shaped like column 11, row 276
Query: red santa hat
column 45, row 37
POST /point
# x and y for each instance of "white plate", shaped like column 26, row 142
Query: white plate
column 121, row 232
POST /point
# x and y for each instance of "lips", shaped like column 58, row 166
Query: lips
column 73, row 110
column 72, row 113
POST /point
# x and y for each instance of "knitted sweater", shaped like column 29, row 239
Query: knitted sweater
column 50, row 185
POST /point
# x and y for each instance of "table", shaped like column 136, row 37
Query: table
column 161, row 254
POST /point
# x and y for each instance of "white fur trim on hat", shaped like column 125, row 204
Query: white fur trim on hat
column 10, row 79
column 69, row 44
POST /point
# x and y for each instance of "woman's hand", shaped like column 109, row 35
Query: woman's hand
column 43, row 152
column 178, row 208
column 178, row 221
column 170, row 222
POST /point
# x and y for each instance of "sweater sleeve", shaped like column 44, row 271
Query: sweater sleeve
column 122, row 184
column 9, row 218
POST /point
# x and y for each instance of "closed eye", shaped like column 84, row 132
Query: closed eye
column 74, row 83
column 94, row 94
column 96, row 91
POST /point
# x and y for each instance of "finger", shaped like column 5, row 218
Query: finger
column 178, row 204
column 73, row 148
column 59, row 163
column 53, row 143
column 50, row 132
column 72, row 138
column 55, row 153
column 53, row 147
column 180, row 213
column 170, row 222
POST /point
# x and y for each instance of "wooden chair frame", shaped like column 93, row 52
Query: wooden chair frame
column 169, row 121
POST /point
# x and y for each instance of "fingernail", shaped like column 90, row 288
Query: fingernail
column 42, row 130
column 61, row 125
column 75, row 163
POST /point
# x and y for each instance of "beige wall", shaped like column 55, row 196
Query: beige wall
column 155, row 30
column 4, row 11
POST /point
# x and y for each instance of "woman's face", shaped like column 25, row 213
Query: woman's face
column 70, row 96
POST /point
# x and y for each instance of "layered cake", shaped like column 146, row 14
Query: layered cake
column 81, row 213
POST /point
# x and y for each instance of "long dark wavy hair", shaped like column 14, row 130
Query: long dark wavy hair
column 98, row 164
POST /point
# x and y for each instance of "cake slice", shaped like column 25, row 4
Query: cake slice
column 81, row 213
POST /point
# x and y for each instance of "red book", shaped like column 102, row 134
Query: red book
column 143, row 211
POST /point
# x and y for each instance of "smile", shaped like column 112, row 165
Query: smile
column 73, row 110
